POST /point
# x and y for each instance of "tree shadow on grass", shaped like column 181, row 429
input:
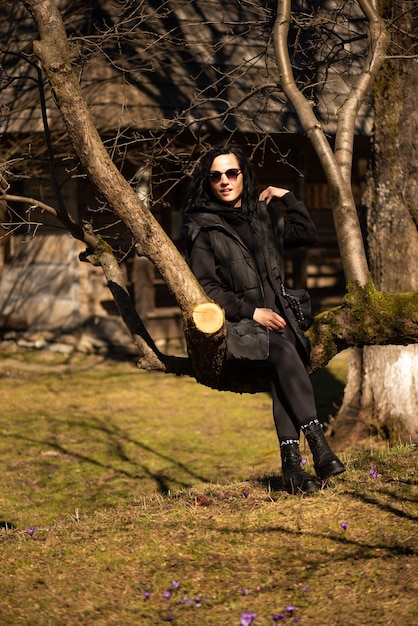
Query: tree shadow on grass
column 384, row 506
column 275, row 483
column 329, row 392
column 364, row 550
column 271, row 483
column 163, row 482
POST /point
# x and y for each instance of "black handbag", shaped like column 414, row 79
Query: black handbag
column 299, row 301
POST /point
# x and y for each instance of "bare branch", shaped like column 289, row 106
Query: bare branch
column 53, row 51
column 345, row 214
column 347, row 114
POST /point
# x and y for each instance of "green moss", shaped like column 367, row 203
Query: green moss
column 366, row 317
column 327, row 320
column 379, row 317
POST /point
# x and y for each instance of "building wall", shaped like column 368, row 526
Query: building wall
column 45, row 286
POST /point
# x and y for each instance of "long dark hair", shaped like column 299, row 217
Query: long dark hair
column 200, row 192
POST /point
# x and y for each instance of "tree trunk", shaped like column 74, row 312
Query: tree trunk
column 381, row 393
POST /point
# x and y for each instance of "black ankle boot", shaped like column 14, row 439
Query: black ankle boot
column 294, row 478
column 326, row 463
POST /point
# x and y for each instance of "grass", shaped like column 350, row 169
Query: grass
column 114, row 483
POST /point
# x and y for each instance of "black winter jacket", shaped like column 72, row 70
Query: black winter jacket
column 241, row 279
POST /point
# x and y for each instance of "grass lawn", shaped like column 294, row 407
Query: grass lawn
column 130, row 498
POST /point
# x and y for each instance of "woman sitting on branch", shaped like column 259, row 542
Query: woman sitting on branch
column 235, row 241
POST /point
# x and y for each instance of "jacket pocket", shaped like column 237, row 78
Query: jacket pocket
column 248, row 340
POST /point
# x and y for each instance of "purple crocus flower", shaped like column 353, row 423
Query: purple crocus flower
column 147, row 595
column 31, row 530
column 373, row 473
column 244, row 592
column 245, row 493
column 290, row 608
column 175, row 584
column 304, row 461
column 167, row 594
column 344, row 525
column 276, row 617
column 247, row 618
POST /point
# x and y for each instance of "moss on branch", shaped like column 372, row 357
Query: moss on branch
column 366, row 317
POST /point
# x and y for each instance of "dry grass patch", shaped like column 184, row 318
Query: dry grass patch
column 129, row 498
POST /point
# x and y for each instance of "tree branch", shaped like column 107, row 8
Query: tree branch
column 379, row 39
column 366, row 317
column 100, row 253
column 152, row 241
column 344, row 210
column 52, row 50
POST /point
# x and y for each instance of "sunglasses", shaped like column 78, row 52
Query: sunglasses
column 231, row 175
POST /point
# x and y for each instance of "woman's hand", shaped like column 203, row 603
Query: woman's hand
column 272, row 192
column 269, row 319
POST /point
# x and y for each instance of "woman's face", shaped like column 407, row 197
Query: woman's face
column 225, row 179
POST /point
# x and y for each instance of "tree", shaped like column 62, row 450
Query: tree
column 366, row 316
column 380, row 396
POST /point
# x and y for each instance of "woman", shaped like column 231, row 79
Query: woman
column 235, row 240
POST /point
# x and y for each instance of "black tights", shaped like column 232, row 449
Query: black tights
column 291, row 388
